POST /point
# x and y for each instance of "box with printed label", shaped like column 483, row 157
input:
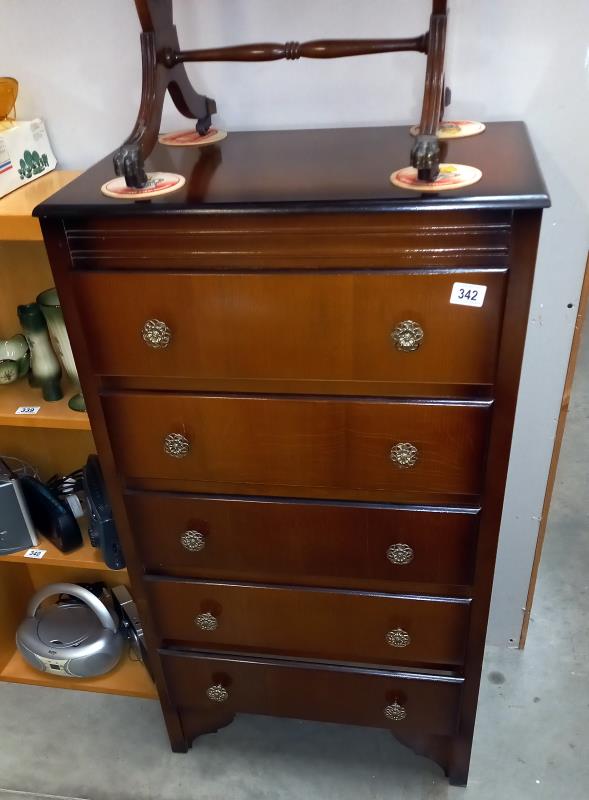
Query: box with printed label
column 25, row 154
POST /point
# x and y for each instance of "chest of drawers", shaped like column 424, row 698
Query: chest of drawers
column 305, row 442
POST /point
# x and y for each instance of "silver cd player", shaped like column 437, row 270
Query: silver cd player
column 75, row 637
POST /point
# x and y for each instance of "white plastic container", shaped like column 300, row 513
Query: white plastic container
column 25, row 154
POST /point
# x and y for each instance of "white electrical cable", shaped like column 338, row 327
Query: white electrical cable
column 20, row 467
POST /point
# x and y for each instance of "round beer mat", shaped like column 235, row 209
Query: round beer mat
column 191, row 138
column 452, row 176
column 457, row 129
column 158, row 183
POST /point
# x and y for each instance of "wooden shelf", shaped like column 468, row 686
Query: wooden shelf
column 51, row 415
column 16, row 222
column 25, row 273
column 86, row 557
column 128, row 678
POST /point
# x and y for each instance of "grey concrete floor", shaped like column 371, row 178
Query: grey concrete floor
column 530, row 738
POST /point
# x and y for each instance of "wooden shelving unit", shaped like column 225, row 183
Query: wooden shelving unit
column 51, row 415
column 16, row 222
column 128, row 678
column 56, row 439
column 86, row 557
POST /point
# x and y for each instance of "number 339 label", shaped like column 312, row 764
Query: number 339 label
column 28, row 410
column 468, row 294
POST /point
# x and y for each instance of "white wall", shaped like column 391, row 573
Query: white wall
column 78, row 64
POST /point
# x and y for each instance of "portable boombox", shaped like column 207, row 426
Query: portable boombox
column 82, row 633
column 75, row 637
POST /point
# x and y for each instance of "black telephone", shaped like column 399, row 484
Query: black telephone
column 101, row 528
column 52, row 515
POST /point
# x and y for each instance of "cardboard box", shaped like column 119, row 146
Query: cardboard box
column 25, row 154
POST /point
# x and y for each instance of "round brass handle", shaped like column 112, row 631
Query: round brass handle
column 404, row 455
column 193, row 541
column 156, row 334
column 176, row 445
column 407, row 336
column 206, row 622
column 395, row 712
column 398, row 638
column 400, row 554
column 217, row 693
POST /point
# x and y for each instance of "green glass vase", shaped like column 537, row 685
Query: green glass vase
column 49, row 304
column 45, row 367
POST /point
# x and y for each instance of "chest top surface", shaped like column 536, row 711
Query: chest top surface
column 343, row 169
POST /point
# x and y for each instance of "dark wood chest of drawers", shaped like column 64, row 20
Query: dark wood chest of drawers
column 305, row 441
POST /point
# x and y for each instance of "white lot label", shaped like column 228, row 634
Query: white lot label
column 28, row 410
column 34, row 553
column 468, row 294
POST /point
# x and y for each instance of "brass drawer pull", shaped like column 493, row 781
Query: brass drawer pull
column 407, row 336
column 404, row 455
column 400, row 554
column 176, row 445
column 217, row 693
column 395, row 712
column 398, row 638
column 193, row 541
column 156, row 334
column 206, row 622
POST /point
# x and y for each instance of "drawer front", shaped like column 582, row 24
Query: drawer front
column 293, row 328
column 261, row 445
column 305, row 691
column 319, row 544
column 305, row 623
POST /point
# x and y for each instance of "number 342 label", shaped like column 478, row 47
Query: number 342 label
column 468, row 294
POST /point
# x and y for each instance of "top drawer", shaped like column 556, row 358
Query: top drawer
column 356, row 333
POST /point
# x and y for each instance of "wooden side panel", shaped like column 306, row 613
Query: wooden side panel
column 50, row 450
column 24, row 273
column 16, row 590
column 523, row 258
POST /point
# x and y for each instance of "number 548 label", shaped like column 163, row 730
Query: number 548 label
column 468, row 294
column 34, row 553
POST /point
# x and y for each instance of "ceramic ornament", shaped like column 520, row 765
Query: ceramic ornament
column 191, row 138
column 452, row 176
column 457, row 129
column 158, row 183
column 15, row 358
